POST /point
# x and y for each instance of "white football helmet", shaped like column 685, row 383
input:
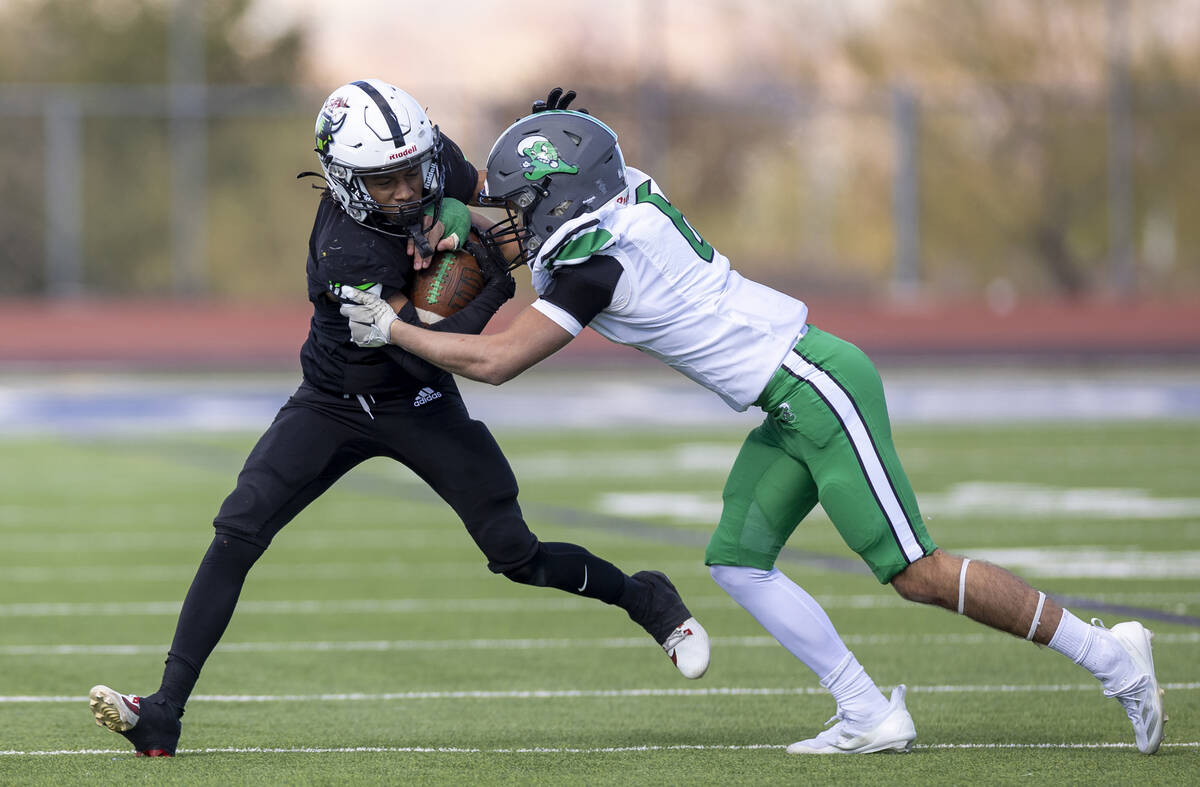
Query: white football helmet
column 369, row 127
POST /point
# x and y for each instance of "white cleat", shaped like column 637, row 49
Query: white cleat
column 114, row 710
column 1142, row 698
column 894, row 732
column 687, row 647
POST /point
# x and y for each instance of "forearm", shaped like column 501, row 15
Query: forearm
column 492, row 358
column 467, row 355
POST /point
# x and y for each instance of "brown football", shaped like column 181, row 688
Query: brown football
column 447, row 285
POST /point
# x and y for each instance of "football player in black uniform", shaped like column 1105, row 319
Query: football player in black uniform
column 396, row 192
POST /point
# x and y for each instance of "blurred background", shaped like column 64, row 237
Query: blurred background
column 938, row 179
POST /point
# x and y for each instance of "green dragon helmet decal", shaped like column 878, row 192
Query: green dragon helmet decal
column 327, row 126
column 542, row 158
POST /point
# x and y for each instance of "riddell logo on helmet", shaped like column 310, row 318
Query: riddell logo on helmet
column 408, row 151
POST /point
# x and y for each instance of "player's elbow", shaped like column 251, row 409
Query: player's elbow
column 495, row 373
column 497, row 367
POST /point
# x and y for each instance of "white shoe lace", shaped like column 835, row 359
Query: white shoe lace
column 833, row 733
column 674, row 638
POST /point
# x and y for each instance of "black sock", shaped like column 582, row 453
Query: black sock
column 205, row 614
column 572, row 568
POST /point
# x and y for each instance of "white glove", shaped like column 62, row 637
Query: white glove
column 370, row 316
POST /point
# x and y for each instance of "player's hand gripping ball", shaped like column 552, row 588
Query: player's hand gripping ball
column 446, row 286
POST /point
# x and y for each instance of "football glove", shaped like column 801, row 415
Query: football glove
column 493, row 268
column 555, row 99
column 455, row 218
column 370, row 316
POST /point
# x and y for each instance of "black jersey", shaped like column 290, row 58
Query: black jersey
column 343, row 251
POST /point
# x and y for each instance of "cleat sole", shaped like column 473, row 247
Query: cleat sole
column 106, row 713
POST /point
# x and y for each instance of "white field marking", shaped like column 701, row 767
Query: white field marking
column 1009, row 500
column 1088, row 562
column 675, row 506
column 689, row 458
column 401, row 605
column 965, row 501
column 285, row 570
column 361, row 646
column 399, row 537
column 96, row 513
column 560, row 749
column 548, row 694
column 881, row 600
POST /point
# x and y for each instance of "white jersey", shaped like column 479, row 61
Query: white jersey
column 677, row 298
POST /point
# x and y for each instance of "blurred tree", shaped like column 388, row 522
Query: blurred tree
column 1015, row 149
column 125, row 42
column 84, row 47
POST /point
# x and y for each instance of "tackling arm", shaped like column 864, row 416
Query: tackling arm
column 492, row 358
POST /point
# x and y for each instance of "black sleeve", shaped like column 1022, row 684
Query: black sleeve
column 461, row 177
column 586, row 289
column 472, row 318
column 414, row 365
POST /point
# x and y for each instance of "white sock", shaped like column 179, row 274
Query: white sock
column 859, row 700
column 792, row 616
column 1094, row 649
column 787, row 612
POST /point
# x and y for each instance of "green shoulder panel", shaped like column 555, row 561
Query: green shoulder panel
column 582, row 246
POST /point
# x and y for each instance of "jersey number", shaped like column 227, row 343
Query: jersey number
column 698, row 244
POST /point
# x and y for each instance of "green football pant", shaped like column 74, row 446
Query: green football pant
column 826, row 438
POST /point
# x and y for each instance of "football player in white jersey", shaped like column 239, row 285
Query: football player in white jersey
column 607, row 249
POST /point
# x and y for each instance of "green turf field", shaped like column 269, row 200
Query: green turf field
column 372, row 646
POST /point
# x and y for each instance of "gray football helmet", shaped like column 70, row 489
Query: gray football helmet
column 546, row 169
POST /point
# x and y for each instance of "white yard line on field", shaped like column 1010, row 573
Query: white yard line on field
column 881, row 600
column 984, row 638
column 73, row 543
column 398, row 605
column 560, row 749
column 541, row 694
column 88, row 573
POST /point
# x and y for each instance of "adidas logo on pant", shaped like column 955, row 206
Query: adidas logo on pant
column 425, row 396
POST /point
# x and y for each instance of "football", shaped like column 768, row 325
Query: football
column 446, row 286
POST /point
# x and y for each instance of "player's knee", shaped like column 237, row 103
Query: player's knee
column 229, row 549
column 926, row 580
column 531, row 572
column 732, row 577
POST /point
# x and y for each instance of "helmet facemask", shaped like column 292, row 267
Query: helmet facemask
column 515, row 227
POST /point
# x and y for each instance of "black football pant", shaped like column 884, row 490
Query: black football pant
column 314, row 440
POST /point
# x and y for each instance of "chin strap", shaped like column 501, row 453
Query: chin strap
column 418, row 236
